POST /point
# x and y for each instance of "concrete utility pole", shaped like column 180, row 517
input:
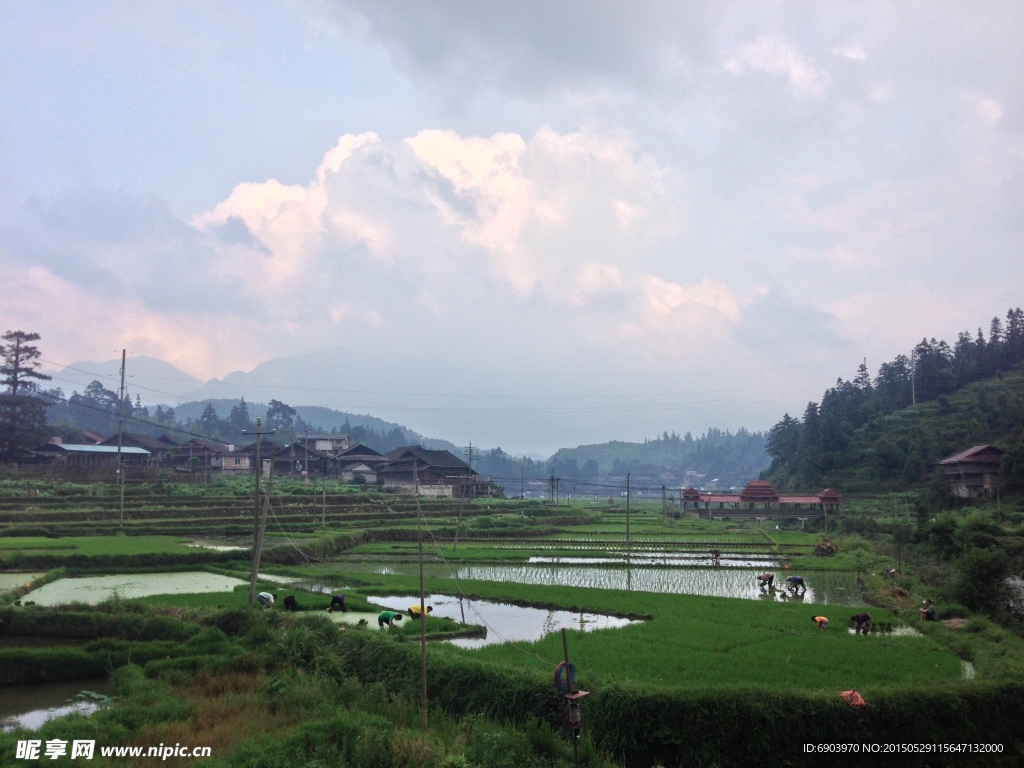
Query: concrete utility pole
column 120, row 430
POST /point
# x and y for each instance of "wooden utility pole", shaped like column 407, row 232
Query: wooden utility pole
column 569, row 703
column 664, row 509
column 458, row 523
column 257, row 534
column 913, row 377
column 120, row 430
column 627, row 510
column 423, row 606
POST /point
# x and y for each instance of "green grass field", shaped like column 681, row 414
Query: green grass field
column 94, row 545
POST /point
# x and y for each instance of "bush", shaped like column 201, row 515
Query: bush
column 980, row 581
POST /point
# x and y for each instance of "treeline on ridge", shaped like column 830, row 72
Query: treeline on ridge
column 863, row 433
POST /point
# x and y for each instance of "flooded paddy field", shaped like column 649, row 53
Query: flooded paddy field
column 96, row 589
column 824, row 587
column 504, row 622
column 9, row 581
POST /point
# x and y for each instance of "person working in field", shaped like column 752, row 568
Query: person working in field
column 716, row 557
column 337, row 601
column 796, row 582
column 929, row 612
column 265, row 599
column 862, row 623
column 387, row 618
column 414, row 611
column 766, row 580
column 290, row 603
column 821, row 621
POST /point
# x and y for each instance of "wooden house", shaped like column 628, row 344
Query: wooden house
column 437, row 473
column 973, row 473
column 359, row 464
column 76, row 455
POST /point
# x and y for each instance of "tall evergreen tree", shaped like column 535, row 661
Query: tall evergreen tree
column 20, row 361
column 22, row 413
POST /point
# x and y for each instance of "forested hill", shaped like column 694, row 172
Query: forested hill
column 890, row 431
column 731, row 458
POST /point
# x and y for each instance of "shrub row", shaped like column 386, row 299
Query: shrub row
column 701, row 727
column 49, row 622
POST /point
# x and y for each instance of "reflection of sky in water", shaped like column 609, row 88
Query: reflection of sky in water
column 825, row 587
column 96, row 589
column 658, row 558
column 29, row 706
column 504, row 622
column 9, row 581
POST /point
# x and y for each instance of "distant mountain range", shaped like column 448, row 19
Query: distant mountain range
column 160, row 382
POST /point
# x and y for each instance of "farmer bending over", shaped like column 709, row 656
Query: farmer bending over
column 795, row 583
column 766, row 580
column 716, row 557
column 862, row 622
column 290, row 603
column 337, row 601
column 414, row 610
column 387, row 617
column 821, row 621
column 265, row 599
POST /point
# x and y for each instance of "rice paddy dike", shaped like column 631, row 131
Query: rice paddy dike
column 691, row 680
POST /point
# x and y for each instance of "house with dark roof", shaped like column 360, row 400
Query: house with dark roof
column 973, row 473
column 359, row 464
column 155, row 445
column 434, row 473
column 300, row 456
column 76, row 455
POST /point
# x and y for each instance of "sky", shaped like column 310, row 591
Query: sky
column 530, row 225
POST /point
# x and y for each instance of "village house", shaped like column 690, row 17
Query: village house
column 359, row 464
column 77, row 455
column 435, row 473
column 973, row 473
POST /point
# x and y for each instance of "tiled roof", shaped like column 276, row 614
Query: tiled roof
column 102, row 449
column 971, row 453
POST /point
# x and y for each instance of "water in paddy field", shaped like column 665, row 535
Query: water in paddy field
column 824, row 587
column 9, row 581
column 29, row 706
column 96, row 589
column 504, row 622
column 767, row 562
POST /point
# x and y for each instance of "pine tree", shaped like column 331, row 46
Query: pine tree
column 22, row 416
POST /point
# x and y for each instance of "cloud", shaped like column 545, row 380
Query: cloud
column 774, row 57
